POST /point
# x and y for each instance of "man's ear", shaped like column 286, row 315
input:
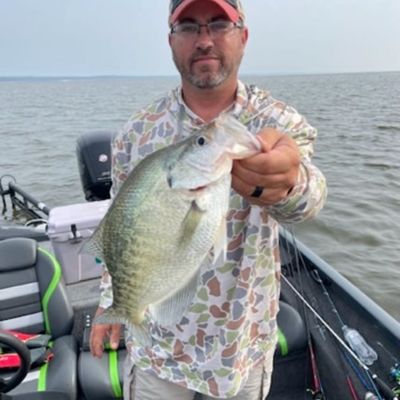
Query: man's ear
column 245, row 35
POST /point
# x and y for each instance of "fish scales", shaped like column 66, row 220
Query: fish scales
column 164, row 221
column 142, row 246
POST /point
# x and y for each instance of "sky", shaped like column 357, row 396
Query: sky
column 129, row 37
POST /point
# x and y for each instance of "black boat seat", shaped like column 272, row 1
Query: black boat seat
column 8, row 231
column 102, row 379
column 33, row 299
column 36, row 396
column 292, row 336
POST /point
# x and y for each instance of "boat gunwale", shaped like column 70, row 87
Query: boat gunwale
column 368, row 306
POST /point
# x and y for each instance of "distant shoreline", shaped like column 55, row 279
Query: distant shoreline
column 83, row 77
column 93, row 77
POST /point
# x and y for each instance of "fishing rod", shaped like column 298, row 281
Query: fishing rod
column 358, row 372
column 356, row 341
column 387, row 392
column 317, row 391
column 367, row 355
column 362, row 350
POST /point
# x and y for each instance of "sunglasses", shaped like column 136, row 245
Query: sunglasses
column 176, row 3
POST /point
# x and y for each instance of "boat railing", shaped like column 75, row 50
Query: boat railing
column 22, row 201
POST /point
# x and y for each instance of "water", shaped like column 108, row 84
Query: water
column 357, row 116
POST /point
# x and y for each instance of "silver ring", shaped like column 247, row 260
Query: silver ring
column 257, row 191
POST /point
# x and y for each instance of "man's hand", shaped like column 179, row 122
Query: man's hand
column 101, row 333
column 275, row 169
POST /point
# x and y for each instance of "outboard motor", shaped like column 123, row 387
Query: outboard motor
column 94, row 162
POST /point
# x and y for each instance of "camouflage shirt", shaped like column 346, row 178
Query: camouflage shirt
column 231, row 324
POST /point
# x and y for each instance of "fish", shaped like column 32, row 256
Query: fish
column 166, row 219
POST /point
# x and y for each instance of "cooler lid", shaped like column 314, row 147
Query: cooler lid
column 82, row 215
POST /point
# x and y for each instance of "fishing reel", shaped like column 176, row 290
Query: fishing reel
column 395, row 375
column 316, row 394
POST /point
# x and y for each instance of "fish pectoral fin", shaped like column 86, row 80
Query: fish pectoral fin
column 169, row 312
column 220, row 243
column 191, row 222
column 203, row 201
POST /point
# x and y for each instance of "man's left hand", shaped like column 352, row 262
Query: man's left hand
column 275, row 170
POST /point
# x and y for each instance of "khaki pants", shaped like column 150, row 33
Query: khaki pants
column 139, row 385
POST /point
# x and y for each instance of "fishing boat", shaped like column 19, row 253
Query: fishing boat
column 334, row 342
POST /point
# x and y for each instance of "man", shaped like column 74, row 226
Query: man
column 224, row 344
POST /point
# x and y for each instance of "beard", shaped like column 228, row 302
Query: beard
column 208, row 79
column 205, row 78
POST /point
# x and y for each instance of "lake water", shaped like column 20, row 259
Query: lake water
column 358, row 149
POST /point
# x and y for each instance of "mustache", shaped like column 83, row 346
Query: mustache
column 201, row 53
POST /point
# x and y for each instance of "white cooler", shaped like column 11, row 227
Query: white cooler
column 69, row 227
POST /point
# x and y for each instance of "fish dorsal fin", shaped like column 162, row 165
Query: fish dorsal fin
column 220, row 243
column 169, row 312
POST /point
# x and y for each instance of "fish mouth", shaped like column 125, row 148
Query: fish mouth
column 191, row 190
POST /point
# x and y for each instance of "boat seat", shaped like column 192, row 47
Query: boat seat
column 33, row 299
column 102, row 379
column 8, row 231
column 292, row 336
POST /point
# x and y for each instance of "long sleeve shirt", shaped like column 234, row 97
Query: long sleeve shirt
column 230, row 326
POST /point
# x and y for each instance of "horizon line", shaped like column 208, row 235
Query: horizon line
column 122, row 76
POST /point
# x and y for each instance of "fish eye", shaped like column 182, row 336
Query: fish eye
column 201, row 141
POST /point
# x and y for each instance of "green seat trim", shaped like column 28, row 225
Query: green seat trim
column 283, row 344
column 42, row 382
column 114, row 375
column 51, row 288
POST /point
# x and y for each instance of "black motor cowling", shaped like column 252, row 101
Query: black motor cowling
column 94, row 161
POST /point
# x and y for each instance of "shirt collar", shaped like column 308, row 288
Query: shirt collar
column 185, row 114
column 241, row 101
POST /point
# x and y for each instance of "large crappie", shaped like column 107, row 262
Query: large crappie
column 164, row 221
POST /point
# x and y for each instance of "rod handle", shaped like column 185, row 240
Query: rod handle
column 386, row 391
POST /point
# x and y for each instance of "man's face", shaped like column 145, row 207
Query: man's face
column 203, row 60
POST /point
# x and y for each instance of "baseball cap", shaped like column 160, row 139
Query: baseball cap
column 232, row 8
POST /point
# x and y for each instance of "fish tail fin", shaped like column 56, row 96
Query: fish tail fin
column 138, row 329
column 110, row 316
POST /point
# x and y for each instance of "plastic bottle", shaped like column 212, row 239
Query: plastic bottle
column 370, row 396
column 358, row 344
